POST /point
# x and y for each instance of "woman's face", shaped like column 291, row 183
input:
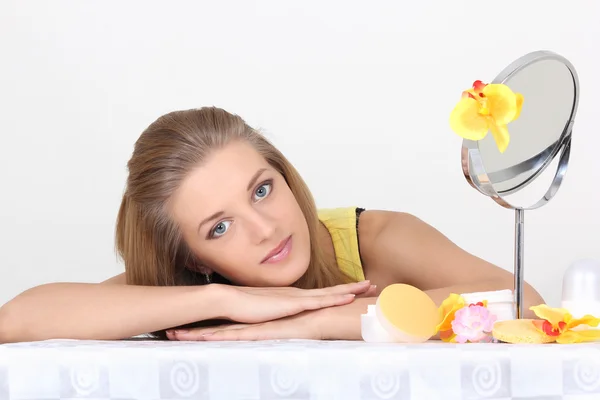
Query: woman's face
column 240, row 218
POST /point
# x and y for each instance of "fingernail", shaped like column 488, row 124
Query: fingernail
column 350, row 295
column 177, row 331
column 365, row 281
column 373, row 286
column 206, row 334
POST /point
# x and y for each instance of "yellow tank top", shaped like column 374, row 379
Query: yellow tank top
column 341, row 224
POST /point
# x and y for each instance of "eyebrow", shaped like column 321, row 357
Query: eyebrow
column 206, row 220
column 255, row 178
column 220, row 213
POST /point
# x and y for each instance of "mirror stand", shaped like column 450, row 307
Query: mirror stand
column 519, row 260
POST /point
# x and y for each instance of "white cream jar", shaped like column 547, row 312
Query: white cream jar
column 501, row 303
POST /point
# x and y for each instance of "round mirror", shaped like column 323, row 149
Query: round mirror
column 549, row 87
column 535, row 100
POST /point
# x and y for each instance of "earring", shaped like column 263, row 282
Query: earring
column 206, row 272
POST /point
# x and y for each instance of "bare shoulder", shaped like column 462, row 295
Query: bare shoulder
column 116, row 280
column 407, row 249
column 400, row 237
column 373, row 223
column 380, row 231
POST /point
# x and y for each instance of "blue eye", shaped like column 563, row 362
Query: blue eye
column 263, row 191
column 220, row 229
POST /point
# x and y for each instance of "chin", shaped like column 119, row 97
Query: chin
column 287, row 275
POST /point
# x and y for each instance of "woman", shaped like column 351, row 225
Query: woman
column 216, row 224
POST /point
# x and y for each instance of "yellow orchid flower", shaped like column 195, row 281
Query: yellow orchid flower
column 558, row 323
column 484, row 108
column 447, row 309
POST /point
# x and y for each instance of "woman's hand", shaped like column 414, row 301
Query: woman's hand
column 360, row 289
column 255, row 305
column 305, row 325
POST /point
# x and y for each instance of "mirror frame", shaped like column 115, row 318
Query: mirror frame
column 472, row 163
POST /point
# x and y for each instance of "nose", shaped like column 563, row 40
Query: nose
column 261, row 226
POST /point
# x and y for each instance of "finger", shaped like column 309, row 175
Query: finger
column 198, row 333
column 274, row 291
column 371, row 292
column 360, row 287
column 317, row 302
column 171, row 335
column 348, row 288
column 245, row 334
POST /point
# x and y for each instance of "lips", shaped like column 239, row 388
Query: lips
column 280, row 252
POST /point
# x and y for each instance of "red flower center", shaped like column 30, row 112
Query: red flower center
column 551, row 331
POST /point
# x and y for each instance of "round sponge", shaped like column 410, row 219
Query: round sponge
column 519, row 331
column 407, row 313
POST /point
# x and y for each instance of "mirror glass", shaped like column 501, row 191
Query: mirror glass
column 548, row 89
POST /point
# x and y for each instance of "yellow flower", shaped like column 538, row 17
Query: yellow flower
column 558, row 323
column 486, row 107
column 449, row 307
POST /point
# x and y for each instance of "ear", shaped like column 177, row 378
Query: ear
column 204, row 270
column 194, row 266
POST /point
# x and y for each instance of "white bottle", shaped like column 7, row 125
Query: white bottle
column 581, row 289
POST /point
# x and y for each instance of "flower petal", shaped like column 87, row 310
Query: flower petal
column 569, row 337
column 447, row 336
column 589, row 320
column 478, row 86
column 519, row 98
column 468, row 94
column 502, row 103
column 466, row 121
column 501, row 136
column 552, row 315
column 450, row 302
column 447, row 310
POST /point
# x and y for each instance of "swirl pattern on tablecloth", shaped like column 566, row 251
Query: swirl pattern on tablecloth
column 385, row 384
column 487, row 378
column 586, row 374
column 185, row 378
column 284, row 381
column 85, row 379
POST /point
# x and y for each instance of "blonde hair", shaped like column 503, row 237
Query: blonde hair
column 149, row 242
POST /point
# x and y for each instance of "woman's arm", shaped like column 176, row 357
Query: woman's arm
column 115, row 311
column 101, row 311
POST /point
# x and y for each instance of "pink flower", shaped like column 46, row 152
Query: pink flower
column 473, row 324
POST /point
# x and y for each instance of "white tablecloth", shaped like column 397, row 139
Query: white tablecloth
column 296, row 370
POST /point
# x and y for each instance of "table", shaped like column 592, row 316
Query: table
column 296, row 369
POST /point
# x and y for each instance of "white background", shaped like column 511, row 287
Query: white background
column 356, row 94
